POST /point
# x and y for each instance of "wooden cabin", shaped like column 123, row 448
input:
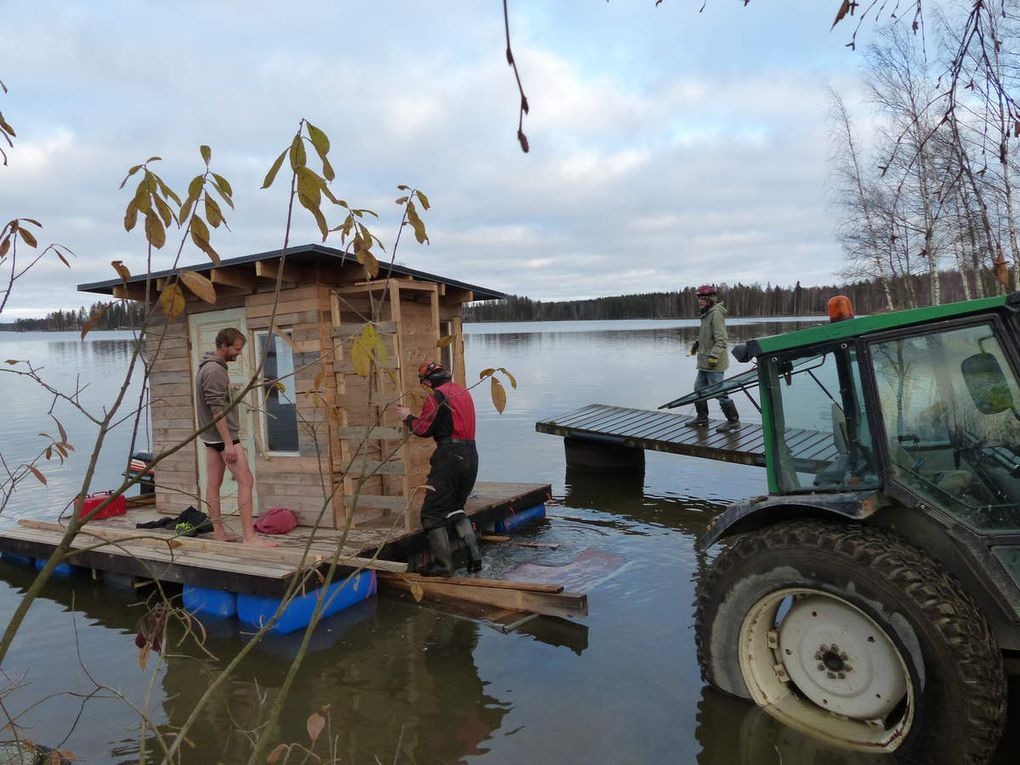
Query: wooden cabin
column 325, row 428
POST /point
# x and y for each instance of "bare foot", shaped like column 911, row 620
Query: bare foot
column 259, row 542
column 225, row 537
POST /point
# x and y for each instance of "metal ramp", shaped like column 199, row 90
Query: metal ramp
column 666, row 432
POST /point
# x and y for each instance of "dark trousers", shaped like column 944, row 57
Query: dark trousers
column 452, row 478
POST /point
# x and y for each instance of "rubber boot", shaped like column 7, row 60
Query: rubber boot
column 442, row 560
column 732, row 417
column 701, row 420
column 466, row 532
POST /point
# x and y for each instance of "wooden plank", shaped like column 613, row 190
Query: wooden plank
column 349, row 330
column 270, row 269
column 377, row 433
column 564, row 604
column 500, row 584
column 230, row 549
column 237, row 276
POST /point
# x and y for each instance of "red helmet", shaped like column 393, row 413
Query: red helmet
column 431, row 369
column 706, row 290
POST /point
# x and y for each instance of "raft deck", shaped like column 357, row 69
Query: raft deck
column 114, row 545
column 667, row 432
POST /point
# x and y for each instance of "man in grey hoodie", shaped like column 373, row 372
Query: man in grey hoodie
column 223, row 450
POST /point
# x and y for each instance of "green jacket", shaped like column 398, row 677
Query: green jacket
column 712, row 339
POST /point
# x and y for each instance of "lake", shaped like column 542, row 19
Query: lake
column 412, row 684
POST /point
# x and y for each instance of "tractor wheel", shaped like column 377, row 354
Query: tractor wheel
column 854, row 636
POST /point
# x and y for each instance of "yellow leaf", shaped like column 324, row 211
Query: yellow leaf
column 199, row 285
column 445, row 340
column 94, row 319
column 319, row 140
column 274, row 756
column 27, row 236
column 206, row 153
column 297, row 153
column 173, row 544
column 154, row 231
column 424, row 199
column 141, row 199
column 172, row 301
column 195, row 187
column 316, row 724
column 271, row 175
column 367, row 259
column 5, row 246
column 498, row 395
column 486, row 373
column 361, row 358
column 164, row 211
column 121, row 269
column 417, row 592
column 510, row 377
column 223, row 186
column 130, row 215
column 313, row 207
column 143, row 656
column 213, row 211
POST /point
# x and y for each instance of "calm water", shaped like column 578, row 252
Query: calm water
column 410, row 684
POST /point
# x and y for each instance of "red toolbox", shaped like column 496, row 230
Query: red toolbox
column 117, row 507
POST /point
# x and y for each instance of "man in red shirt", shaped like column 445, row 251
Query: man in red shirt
column 448, row 416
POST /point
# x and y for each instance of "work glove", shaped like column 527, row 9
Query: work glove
column 713, row 361
column 694, row 348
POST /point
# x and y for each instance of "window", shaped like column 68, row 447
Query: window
column 949, row 408
column 446, row 328
column 278, row 412
column 821, row 435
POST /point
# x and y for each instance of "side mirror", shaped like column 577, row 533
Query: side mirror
column 741, row 353
column 986, row 383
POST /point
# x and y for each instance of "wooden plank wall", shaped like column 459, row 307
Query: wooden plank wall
column 302, row 482
column 172, row 413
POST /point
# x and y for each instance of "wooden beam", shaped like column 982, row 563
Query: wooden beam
column 234, row 277
column 267, row 269
column 514, row 596
column 133, row 291
column 457, row 295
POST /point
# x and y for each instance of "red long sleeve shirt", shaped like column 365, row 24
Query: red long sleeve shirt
column 448, row 413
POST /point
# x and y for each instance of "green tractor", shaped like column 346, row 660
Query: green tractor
column 872, row 599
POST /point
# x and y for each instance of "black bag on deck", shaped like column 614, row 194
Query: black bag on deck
column 189, row 523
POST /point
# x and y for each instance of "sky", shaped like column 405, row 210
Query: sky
column 668, row 147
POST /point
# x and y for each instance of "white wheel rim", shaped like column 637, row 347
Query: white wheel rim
column 821, row 665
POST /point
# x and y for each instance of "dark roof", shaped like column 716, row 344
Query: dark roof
column 305, row 255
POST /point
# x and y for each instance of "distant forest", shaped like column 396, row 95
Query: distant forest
column 739, row 299
column 121, row 314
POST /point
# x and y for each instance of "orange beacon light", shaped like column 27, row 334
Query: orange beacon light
column 840, row 308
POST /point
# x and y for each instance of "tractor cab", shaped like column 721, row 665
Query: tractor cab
column 888, row 549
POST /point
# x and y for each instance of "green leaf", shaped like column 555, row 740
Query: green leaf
column 154, row 231
column 498, row 395
column 271, row 175
column 172, row 301
column 424, row 199
column 297, row 153
column 199, row 286
column 319, row 140
column 206, row 153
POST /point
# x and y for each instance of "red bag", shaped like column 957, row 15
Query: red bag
column 278, row 520
column 117, row 507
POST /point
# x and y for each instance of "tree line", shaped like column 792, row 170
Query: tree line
column 740, row 299
column 122, row 314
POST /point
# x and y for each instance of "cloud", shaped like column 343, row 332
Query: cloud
column 668, row 147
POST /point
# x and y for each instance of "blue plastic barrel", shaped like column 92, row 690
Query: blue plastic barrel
column 257, row 610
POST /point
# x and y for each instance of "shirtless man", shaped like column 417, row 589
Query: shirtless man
column 223, row 450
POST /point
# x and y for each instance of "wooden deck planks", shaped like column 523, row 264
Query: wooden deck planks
column 667, row 432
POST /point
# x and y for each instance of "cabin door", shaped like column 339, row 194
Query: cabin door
column 202, row 329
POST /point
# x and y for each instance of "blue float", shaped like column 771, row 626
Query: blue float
column 18, row 560
column 62, row 569
column 207, row 601
column 257, row 610
column 517, row 520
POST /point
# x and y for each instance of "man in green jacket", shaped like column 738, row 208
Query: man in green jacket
column 713, row 359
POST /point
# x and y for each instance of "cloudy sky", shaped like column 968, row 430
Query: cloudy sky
column 668, row 147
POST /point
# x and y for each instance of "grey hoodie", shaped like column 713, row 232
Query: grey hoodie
column 212, row 396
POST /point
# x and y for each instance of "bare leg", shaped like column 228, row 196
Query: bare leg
column 245, row 481
column 214, row 470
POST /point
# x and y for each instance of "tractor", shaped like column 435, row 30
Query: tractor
column 872, row 598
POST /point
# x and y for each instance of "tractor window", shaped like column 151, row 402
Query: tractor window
column 822, row 440
column 949, row 405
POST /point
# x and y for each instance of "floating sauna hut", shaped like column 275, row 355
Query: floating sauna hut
column 324, row 419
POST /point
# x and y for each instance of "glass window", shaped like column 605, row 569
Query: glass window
column 822, row 439
column 949, row 407
column 446, row 352
column 279, row 410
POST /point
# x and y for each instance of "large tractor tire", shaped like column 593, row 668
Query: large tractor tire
column 856, row 637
